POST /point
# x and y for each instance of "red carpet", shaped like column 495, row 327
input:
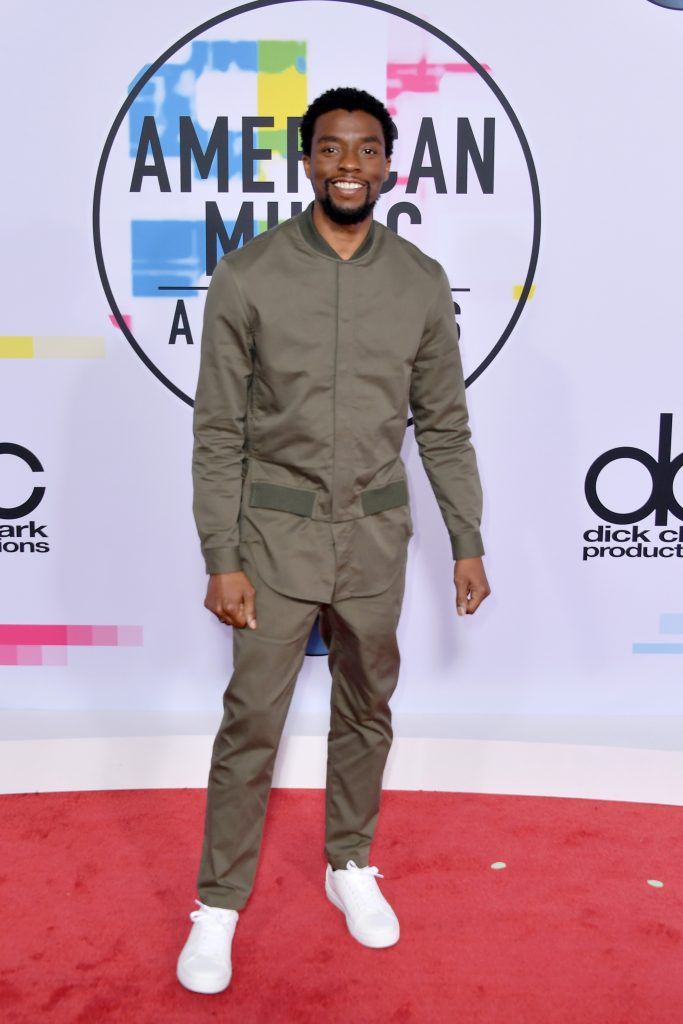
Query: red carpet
column 97, row 888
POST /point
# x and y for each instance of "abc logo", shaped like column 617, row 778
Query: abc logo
column 662, row 470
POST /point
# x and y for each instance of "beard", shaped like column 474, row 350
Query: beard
column 341, row 215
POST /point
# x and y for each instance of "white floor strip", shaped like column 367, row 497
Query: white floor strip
column 454, row 765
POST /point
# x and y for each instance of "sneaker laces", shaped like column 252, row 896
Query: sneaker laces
column 364, row 891
column 355, row 870
column 213, row 928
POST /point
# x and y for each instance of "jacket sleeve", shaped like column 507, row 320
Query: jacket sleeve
column 437, row 400
column 219, row 421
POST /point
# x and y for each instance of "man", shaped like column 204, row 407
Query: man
column 318, row 336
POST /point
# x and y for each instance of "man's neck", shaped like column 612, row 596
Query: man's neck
column 343, row 238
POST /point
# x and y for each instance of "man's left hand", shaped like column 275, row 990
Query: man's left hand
column 471, row 585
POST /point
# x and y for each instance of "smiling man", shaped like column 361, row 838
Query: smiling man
column 346, row 189
column 320, row 336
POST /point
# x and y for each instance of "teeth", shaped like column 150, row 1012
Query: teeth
column 350, row 186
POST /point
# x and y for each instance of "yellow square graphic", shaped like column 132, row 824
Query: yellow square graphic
column 16, row 346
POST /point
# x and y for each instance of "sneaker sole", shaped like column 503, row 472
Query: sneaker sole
column 370, row 942
column 202, row 989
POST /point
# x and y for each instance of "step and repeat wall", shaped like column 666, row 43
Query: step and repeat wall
column 539, row 158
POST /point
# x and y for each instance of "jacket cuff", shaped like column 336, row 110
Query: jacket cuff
column 467, row 545
column 222, row 560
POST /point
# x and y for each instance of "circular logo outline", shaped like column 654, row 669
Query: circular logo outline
column 256, row 5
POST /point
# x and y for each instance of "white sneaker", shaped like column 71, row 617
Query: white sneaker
column 369, row 917
column 204, row 963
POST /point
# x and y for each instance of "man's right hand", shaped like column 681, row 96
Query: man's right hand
column 230, row 596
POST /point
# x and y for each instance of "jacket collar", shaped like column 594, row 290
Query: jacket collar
column 316, row 240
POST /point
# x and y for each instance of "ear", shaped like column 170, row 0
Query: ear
column 306, row 161
column 387, row 168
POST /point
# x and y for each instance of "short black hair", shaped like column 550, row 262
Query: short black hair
column 347, row 98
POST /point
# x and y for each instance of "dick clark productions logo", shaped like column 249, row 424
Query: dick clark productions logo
column 624, row 537
column 204, row 154
column 25, row 537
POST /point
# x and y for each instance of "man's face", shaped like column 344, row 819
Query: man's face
column 348, row 165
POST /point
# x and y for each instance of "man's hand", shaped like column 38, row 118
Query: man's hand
column 230, row 596
column 471, row 585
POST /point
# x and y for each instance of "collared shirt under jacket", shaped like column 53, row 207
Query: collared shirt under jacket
column 310, row 367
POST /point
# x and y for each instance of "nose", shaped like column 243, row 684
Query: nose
column 348, row 161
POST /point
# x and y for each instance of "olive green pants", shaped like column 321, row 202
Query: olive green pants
column 360, row 633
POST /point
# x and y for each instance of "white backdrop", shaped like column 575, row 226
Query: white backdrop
column 592, row 363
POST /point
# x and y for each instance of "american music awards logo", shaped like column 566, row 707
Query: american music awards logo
column 204, row 153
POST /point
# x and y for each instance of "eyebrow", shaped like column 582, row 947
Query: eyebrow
column 335, row 138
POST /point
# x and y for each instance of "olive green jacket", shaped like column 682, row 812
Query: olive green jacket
column 308, row 366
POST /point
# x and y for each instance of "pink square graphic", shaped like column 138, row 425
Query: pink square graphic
column 79, row 636
column 28, row 655
column 55, row 655
column 104, row 636
column 43, row 644
column 32, row 634
column 130, row 636
column 8, row 654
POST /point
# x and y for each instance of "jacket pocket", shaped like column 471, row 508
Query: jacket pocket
column 284, row 499
column 378, row 499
